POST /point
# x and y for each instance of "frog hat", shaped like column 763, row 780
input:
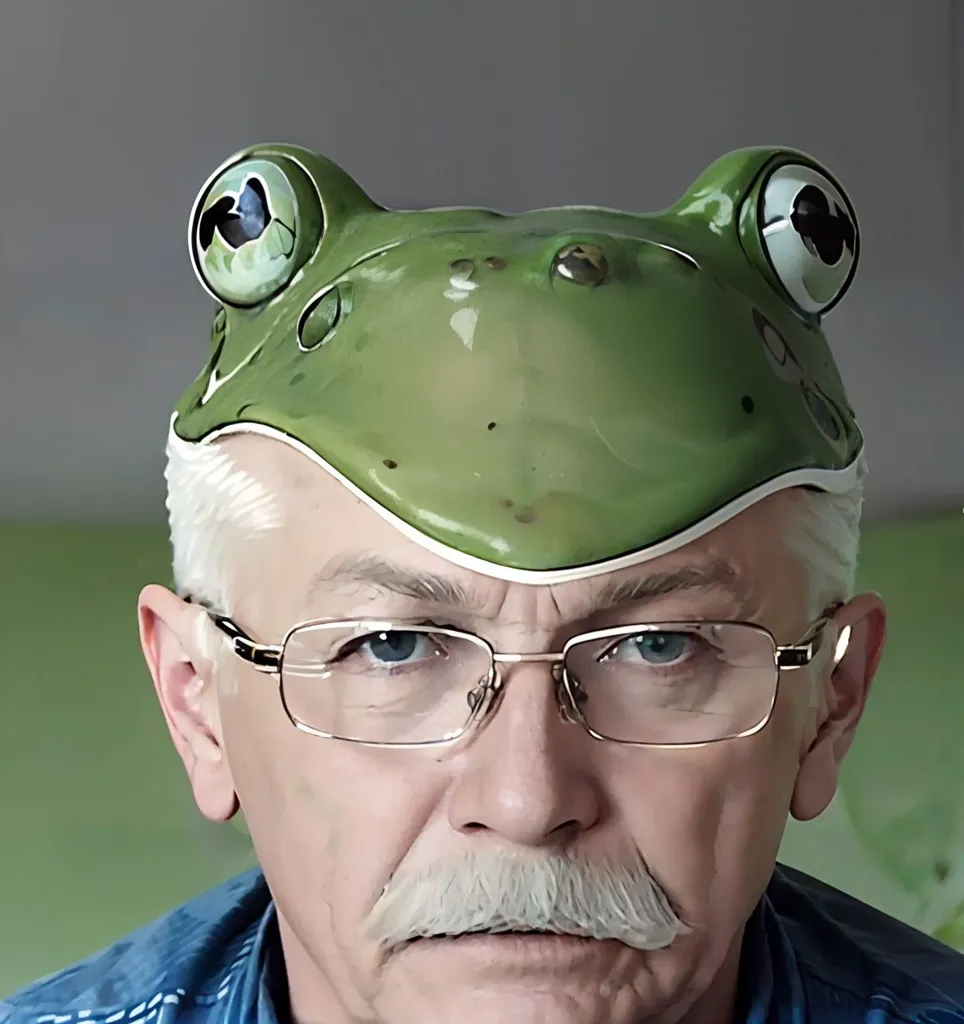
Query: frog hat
column 538, row 397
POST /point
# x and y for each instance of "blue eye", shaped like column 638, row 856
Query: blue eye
column 395, row 647
column 652, row 648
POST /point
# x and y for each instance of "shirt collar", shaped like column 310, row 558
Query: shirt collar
column 770, row 990
column 261, row 993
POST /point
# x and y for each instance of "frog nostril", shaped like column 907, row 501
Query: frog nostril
column 318, row 319
column 581, row 264
column 462, row 267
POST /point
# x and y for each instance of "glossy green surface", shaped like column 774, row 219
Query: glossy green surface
column 532, row 406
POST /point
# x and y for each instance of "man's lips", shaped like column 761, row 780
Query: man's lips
column 519, row 950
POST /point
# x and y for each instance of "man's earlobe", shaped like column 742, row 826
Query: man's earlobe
column 858, row 639
column 184, row 680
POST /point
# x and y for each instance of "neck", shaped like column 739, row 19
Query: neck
column 717, row 1004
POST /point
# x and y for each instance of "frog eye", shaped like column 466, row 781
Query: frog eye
column 253, row 228
column 809, row 233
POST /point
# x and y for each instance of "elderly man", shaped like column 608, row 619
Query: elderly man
column 514, row 562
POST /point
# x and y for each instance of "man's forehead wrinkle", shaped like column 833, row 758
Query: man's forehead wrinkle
column 349, row 573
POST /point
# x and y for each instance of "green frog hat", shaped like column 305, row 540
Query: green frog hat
column 538, row 397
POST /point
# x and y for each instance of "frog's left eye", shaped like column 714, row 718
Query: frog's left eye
column 253, row 228
column 809, row 234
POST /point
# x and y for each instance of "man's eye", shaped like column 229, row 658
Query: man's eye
column 653, row 648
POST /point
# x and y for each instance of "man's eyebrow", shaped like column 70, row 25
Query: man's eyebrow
column 382, row 574
column 713, row 575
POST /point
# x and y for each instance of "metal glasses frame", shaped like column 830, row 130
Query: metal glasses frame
column 268, row 658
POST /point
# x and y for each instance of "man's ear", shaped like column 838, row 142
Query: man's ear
column 856, row 637
column 184, row 679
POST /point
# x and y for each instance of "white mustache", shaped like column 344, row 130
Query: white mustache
column 499, row 892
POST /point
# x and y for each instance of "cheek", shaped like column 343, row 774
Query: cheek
column 709, row 821
column 329, row 821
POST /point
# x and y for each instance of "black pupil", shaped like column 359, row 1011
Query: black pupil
column 236, row 221
column 395, row 646
column 826, row 230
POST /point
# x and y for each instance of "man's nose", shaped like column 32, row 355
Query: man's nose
column 527, row 775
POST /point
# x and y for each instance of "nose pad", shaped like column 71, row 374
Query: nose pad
column 568, row 698
column 484, row 698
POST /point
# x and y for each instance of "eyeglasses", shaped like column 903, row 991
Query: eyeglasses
column 390, row 684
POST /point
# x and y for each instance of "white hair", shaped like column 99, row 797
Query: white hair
column 824, row 532
column 214, row 508
column 214, row 505
column 493, row 891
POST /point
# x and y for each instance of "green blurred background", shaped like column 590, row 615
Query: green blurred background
column 100, row 833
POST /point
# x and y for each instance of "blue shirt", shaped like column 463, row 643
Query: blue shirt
column 811, row 954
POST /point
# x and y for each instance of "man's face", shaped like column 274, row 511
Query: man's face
column 335, row 823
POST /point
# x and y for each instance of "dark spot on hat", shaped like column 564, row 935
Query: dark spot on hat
column 389, row 463
column 495, row 262
column 491, row 426
column 296, row 379
column 748, row 404
column 821, row 411
column 526, row 515
column 508, row 503
column 942, row 870
column 772, row 338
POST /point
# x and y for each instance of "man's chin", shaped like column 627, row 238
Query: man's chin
column 451, row 981
column 514, row 977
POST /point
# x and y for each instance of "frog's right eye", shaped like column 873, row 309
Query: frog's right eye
column 809, row 234
column 253, row 228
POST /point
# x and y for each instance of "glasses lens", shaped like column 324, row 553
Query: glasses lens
column 391, row 685
column 675, row 683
